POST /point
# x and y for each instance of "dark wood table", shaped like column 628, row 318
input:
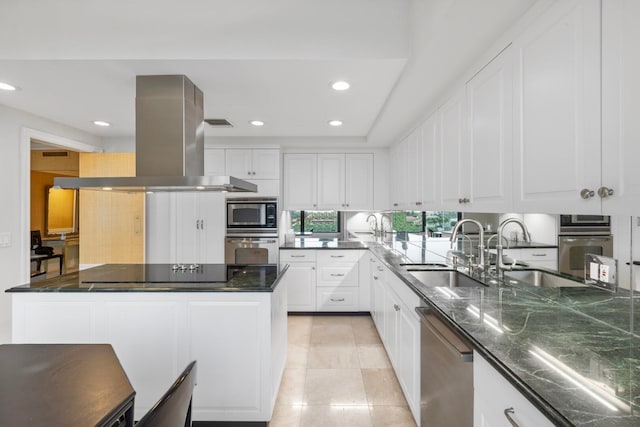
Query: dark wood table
column 63, row 385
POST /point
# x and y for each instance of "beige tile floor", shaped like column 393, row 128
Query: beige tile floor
column 338, row 374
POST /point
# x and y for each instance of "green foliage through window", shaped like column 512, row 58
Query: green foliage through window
column 315, row 221
column 417, row 221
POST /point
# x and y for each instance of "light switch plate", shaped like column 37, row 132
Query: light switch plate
column 5, row 239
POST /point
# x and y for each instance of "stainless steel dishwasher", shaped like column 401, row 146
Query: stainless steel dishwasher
column 446, row 368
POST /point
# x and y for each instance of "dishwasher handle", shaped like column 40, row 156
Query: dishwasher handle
column 453, row 342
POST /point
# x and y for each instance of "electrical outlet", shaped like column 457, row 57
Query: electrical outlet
column 5, row 239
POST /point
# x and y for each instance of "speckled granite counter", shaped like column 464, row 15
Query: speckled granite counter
column 522, row 331
column 161, row 278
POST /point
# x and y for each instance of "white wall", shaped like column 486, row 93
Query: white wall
column 12, row 273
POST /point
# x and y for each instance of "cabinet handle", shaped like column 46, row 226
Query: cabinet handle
column 315, row 205
column 249, row 173
column 313, row 268
column 347, row 204
column 337, row 256
column 372, row 260
column 137, row 225
column 380, row 268
column 202, row 224
column 337, row 274
column 395, row 204
column 253, row 173
column 418, row 203
column 605, row 192
column 538, row 254
column 297, row 256
column 375, row 277
column 197, row 224
column 396, row 307
column 337, row 299
column 342, row 205
column 463, row 200
column 507, row 413
column 587, row 194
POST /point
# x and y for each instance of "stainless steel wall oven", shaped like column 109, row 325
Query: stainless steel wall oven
column 580, row 235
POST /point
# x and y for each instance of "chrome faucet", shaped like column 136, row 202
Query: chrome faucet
column 487, row 256
column 388, row 218
column 454, row 235
column 501, row 267
column 375, row 223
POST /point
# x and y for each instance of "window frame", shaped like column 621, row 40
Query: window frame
column 322, row 233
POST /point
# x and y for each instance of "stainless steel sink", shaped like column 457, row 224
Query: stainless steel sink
column 542, row 279
column 424, row 266
column 445, row 278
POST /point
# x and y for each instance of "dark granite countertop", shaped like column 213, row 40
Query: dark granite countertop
column 161, row 278
column 559, row 347
column 320, row 243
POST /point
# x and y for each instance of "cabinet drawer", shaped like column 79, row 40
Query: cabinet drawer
column 303, row 255
column 337, row 299
column 533, row 254
column 338, row 275
column 330, row 257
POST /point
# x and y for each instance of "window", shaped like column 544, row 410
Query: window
column 417, row 222
column 315, row 222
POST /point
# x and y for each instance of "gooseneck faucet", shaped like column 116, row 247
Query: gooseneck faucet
column 454, row 235
column 501, row 267
column 375, row 223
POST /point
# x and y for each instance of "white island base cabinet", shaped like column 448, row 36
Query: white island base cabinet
column 237, row 338
column 494, row 400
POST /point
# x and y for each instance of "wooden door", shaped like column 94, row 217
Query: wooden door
column 111, row 222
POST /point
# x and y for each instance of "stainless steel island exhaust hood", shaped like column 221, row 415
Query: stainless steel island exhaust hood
column 169, row 143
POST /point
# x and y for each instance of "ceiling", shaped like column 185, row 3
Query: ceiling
column 75, row 62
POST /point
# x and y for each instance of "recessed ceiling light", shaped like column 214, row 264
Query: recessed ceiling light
column 340, row 85
column 6, row 86
column 335, row 123
column 101, row 123
column 257, row 122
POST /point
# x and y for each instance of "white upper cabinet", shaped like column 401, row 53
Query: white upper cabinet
column 413, row 174
column 214, row 162
column 453, row 164
column 328, row 181
column 300, row 181
column 399, row 175
column 253, row 163
column 490, row 140
column 428, row 170
column 331, row 181
column 359, row 181
column 620, row 106
column 557, row 110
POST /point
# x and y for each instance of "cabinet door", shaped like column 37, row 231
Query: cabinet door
column 430, row 172
column 399, row 175
column 408, row 354
column 414, row 170
column 300, row 281
column 160, row 224
column 391, row 314
column 300, row 182
column 331, row 179
column 489, row 113
column 238, row 163
column 265, row 164
column 557, row 110
column 359, row 182
column 214, row 160
column 620, row 106
column 187, row 227
column 454, row 155
column 492, row 394
column 211, row 212
column 378, row 301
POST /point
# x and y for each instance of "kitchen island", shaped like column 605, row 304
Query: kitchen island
column 231, row 319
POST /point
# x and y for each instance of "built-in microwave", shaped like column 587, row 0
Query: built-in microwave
column 252, row 215
column 585, row 224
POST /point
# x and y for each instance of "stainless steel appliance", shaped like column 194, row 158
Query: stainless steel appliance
column 580, row 235
column 169, row 143
column 446, row 374
column 251, row 250
column 252, row 216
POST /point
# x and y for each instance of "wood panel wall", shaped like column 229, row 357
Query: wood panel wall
column 39, row 182
column 111, row 223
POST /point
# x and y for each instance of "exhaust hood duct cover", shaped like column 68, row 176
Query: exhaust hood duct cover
column 169, row 143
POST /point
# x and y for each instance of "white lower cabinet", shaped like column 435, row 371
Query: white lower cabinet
column 325, row 280
column 239, row 340
column 535, row 257
column 496, row 402
column 393, row 312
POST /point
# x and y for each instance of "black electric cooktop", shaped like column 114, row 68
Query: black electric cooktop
column 160, row 273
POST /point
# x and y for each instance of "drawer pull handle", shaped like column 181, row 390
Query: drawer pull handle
column 298, row 256
column 507, row 413
column 337, row 256
column 375, row 277
column 337, row 274
column 337, row 299
column 538, row 254
column 380, row 268
column 396, row 307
